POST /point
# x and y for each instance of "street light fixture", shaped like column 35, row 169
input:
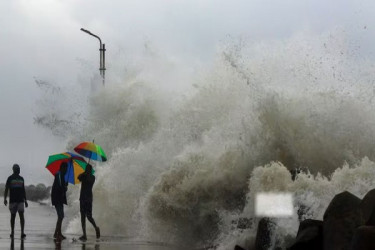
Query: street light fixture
column 102, row 54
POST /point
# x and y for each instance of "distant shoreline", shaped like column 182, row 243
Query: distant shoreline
column 36, row 193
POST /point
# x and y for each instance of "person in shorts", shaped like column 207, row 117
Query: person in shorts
column 58, row 197
column 17, row 199
column 85, row 201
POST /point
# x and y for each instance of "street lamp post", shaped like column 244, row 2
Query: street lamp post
column 102, row 55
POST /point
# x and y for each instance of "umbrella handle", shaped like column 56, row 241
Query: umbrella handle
column 70, row 167
column 93, row 141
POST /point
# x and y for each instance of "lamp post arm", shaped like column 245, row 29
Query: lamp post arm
column 88, row 32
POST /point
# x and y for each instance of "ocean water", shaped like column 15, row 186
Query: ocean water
column 188, row 150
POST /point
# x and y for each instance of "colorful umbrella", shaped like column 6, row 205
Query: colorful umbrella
column 76, row 165
column 91, row 151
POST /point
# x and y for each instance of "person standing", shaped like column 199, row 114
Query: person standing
column 17, row 199
column 85, row 201
column 58, row 197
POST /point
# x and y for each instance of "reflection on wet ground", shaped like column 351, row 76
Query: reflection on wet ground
column 40, row 222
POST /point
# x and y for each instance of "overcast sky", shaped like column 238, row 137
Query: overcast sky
column 42, row 38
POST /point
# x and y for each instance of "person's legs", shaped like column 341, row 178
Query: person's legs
column 82, row 209
column 59, row 230
column 92, row 221
column 88, row 208
column 22, row 221
column 86, row 211
column 13, row 213
column 57, row 207
column 56, row 228
column 12, row 244
column 83, row 224
column 60, row 216
column 60, row 226
column 57, row 233
column 21, row 210
column 97, row 230
column 12, row 220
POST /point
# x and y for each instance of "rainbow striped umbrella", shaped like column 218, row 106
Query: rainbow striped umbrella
column 76, row 165
column 91, row 151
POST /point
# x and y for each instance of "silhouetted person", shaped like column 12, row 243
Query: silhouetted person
column 17, row 199
column 58, row 196
column 85, row 201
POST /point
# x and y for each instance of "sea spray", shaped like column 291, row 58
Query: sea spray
column 184, row 167
column 312, row 192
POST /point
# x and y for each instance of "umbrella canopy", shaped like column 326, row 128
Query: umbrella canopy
column 91, row 151
column 76, row 165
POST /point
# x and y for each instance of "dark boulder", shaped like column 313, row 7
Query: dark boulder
column 237, row 247
column 340, row 221
column 364, row 238
column 367, row 207
column 309, row 236
column 265, row 230
column 341, row 204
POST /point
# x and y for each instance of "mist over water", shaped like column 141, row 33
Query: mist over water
column 184, row 166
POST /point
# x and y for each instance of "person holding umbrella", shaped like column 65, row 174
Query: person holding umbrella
column 85, row 201
column 58, row 197
column 93, row 152
column 17, row 198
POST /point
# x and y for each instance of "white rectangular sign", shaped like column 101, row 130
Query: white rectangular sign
column 274, row 205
